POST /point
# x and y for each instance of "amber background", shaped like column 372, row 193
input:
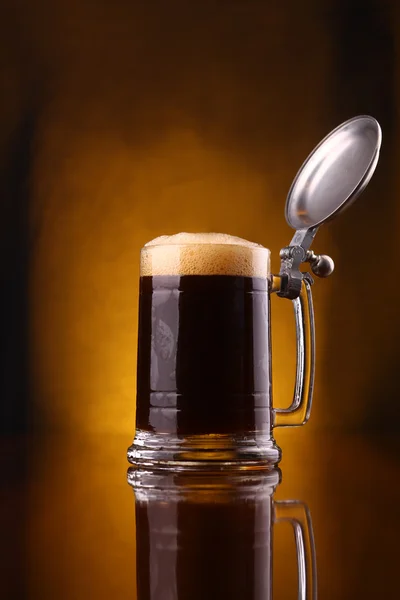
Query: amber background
column 124, row 120
column 121, row 121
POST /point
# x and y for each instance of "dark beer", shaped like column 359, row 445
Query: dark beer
column 203, row 363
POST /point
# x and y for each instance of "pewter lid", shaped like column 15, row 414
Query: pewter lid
column 335, row 173
column 330, row 179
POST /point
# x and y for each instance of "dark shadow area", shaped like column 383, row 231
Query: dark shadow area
column 15, row 393
column 13, row 516
column 14, row 282
column 362, row 318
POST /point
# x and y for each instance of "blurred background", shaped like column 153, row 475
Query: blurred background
column 121, row 121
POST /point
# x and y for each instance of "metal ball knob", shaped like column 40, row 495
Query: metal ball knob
column 324, row 266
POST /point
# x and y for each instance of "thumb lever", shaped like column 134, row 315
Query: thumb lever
column 321, row 264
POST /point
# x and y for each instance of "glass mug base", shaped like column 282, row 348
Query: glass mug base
column 203, row 452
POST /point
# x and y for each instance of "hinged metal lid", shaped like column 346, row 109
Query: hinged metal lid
column 330, row 179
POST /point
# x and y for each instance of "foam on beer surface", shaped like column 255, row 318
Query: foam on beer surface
column 204, row 254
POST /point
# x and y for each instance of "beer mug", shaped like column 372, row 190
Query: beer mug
column 211, row 536
column 204, row 343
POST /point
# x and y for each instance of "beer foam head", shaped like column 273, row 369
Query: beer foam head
column 204, row 254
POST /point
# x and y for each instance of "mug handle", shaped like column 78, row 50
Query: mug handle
column 298, row 515
column 298, row 412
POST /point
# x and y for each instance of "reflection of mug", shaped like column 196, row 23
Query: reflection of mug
column 210, row 536
column 204, row 355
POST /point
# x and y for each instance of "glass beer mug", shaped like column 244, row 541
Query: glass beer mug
column 212, row 536
column 204, row 348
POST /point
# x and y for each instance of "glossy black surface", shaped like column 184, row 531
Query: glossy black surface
column 69, row 528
